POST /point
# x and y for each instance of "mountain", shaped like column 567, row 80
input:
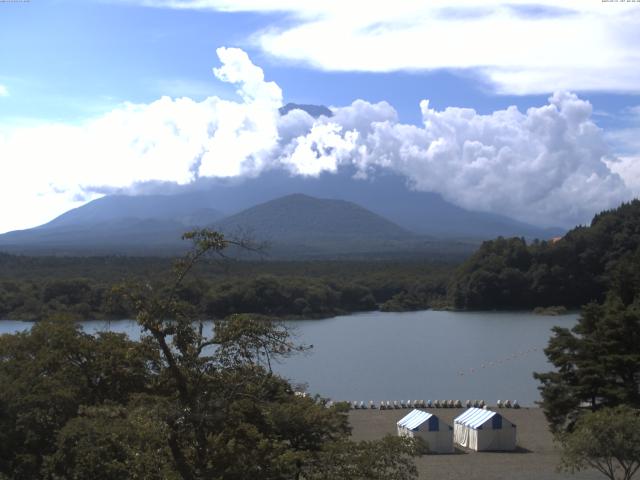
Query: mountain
column 383, row 193
column 387, row 195
column 314, row 110
column 117, row 224
column 301, row 218
column 191, row 208
column 123, row 236
column 130, row 224
column 294, row 226
column 303, row 227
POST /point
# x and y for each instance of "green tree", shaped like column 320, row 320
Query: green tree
column 226, row 414
column 572, row 271
column 607, row 440
column 386, row 459
column 597, row 363
column 183, row 402
column 50, row 371
column 111, row 442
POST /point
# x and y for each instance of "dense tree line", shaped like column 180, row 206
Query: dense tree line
column 177, row 404
column 114, row 268
column 572, row 271
column 45, row 287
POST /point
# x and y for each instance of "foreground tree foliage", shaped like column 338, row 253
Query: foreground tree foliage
column 47, row 374
column 607, row 440
column 592, row 398
column 182, row 403
column 597, row 362
column 388, row 459
column 111, row 441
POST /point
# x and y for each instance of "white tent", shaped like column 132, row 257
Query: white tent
column 480, row 429
column 437, row 434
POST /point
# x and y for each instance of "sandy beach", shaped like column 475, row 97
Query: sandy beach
column 535, row 459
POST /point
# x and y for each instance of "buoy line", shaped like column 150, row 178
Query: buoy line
column 497, row 363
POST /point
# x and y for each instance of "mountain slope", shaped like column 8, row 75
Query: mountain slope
column 301, row 218
column 303, row 227
column 116, row 224
column 121, row 236
column 122, row 224
column 383, row 193
column 294, row 226
column 187, row 208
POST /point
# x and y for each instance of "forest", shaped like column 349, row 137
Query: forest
column 572, row 271
column 82, row 288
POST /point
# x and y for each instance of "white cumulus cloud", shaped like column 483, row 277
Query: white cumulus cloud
column 52, row 167
column 626, row 142
column 520, row 46
column 549, row 165
column 4, row 91
column 629, row 169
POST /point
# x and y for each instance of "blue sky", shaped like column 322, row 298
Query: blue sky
column 69, row 68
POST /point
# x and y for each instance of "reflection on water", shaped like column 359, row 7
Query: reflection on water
column 416, row 355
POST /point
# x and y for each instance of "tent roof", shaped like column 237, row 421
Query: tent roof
column 474, row 417
column 414, row 419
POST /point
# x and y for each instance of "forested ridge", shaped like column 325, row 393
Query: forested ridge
column 571, row 271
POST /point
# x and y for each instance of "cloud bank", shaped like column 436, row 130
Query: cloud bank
column 548, row 165
column 518, row 46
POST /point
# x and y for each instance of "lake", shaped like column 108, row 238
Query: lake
column 416, row 355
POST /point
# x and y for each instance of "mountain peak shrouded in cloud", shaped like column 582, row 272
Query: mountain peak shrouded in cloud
column 343, row 216
column 547, row 165
column 314, row 110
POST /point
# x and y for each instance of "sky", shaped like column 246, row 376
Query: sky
column 527, row 109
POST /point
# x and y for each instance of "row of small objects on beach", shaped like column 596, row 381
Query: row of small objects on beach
column 399, row 404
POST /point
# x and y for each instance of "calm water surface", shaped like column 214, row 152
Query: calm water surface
column 418, row 355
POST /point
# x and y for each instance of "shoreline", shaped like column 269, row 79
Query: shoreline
column 296, row 318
